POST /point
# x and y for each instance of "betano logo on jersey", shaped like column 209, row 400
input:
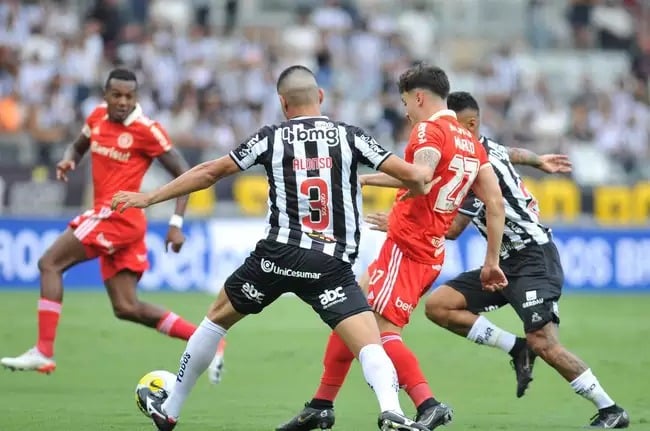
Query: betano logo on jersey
column 297, row 133
column 111, row 153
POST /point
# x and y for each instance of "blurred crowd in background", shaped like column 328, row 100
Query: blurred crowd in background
column 207, row 70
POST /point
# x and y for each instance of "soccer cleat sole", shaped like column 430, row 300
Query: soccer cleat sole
column 388, row 425
column 45, row 369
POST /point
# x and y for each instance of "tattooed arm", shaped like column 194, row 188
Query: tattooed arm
column 427, row 156
column 522, row 156
column 549, row 163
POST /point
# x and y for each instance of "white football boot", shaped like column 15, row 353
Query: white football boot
column 31, row 360
column 215, row 370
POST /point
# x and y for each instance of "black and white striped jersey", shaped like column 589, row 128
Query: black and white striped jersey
column 522, row 213
column 314, row 192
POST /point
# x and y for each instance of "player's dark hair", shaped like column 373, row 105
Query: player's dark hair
column 461, row 100
column 291, row 69
column 122, row 75
column 426, row 77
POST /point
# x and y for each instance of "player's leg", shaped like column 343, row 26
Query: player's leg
column 535, row 298
column 66, row 251
column 122, row 272
column 246, row 291
column 165, row 409
column 342, row 305
column 337, row 361
column 455, row 307
column 396, row 285
column 122, row 291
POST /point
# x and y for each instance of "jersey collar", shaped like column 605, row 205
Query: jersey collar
column 443, row 113
column 134, row 115
column 304, row 117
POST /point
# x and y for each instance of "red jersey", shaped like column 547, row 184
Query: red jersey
column 419, row 225
column 121, row 153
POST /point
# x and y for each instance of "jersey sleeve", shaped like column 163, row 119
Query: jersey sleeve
column 253, row 150
column 159, row 142
column 368, row 151
column 426, row 135
column 97, row 114
column 471, row 206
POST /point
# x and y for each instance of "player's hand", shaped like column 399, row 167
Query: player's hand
column 492, row 278
column 124, row 200
column 62, row 169
column 379, row 221
column 362, row 181
column 175, row 238
column 555, row 164
column 422, row 189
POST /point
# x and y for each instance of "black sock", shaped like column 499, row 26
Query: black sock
column 319, row 404
column 427, row 404
column 520, row 343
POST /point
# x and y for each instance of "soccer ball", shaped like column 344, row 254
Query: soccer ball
column 157, row 381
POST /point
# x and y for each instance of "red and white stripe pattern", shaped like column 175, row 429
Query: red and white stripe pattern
column 91, row 222
column 390, row 336
column 167, row 322
column 383, row 297
column 47, row 305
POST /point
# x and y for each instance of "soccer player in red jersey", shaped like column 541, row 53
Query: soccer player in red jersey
column 412, row 255
column 123, row 142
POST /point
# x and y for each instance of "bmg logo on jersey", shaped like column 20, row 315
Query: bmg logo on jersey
column 332, row 297
column 297, row 133
column 252, row 293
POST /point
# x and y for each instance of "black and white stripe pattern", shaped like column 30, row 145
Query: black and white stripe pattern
column 522, row 219
column 314, row 193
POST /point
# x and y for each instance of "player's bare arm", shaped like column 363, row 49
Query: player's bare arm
column 380, row 180
column 416, row 178
column 461, row 221
column 428, row 157
column 377, row 221
column 549, row 163
column 72, row 156
column 198, row 178
column 176, row 165
column 486, row 187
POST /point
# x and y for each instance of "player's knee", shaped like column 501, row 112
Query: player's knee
column 128, row 312
column 47, row 264
column 541, row 343
column 436, row 312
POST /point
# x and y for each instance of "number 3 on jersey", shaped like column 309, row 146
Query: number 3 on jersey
column 318, row 195
column 452, row 193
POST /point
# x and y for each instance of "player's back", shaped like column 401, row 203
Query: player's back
column 314, row 193
column 419, row 225
column 122, row 152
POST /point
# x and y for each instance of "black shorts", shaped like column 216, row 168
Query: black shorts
column 324, row 282
column 535, row 279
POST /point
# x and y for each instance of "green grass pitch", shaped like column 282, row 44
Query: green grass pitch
column 273, row 364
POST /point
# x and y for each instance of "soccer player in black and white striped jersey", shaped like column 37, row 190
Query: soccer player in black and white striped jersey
column 312, row 240
column 535, row 277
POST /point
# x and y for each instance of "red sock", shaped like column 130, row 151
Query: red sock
column 175, row 326
column 408, row 369
column 337, row 361
column 221, row 346
column 48, row 320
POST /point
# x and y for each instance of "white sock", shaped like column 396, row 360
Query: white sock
column 587, row 385
column 485, row 332
column 380, row 374
column 195, row 360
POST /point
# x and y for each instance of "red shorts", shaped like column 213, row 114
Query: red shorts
column 117, row 242
column 397, row 283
